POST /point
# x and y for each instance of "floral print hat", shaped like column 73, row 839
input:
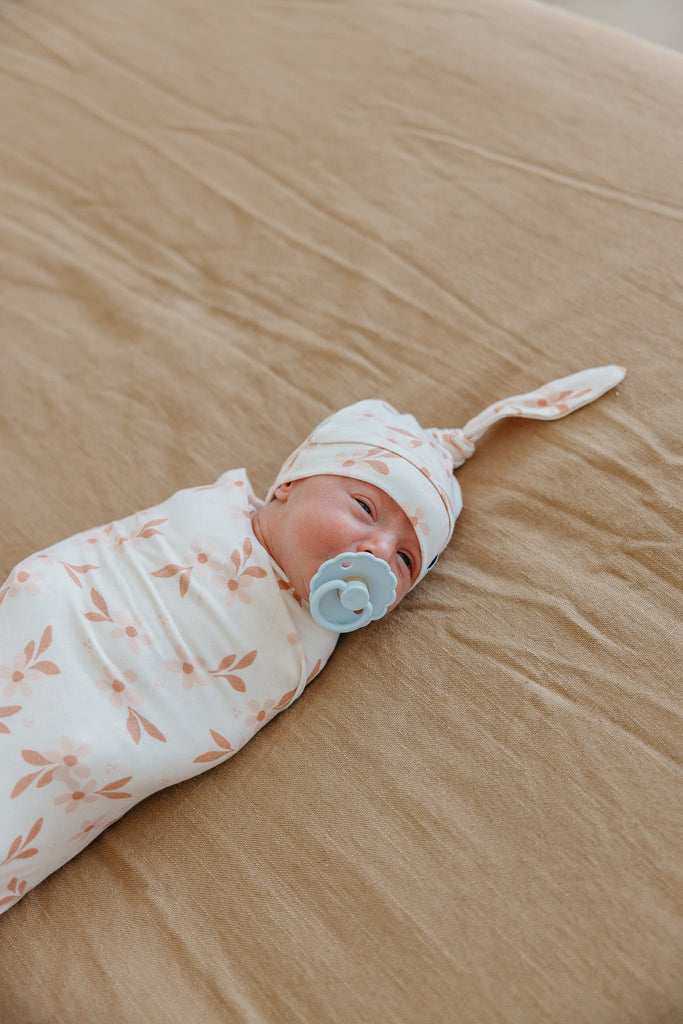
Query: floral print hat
column 414, row 465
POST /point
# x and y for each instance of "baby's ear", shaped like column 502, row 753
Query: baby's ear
column 281, row 493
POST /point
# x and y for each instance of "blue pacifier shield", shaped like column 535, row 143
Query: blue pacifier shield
column 350, row 590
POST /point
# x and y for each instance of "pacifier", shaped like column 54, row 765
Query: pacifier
column 350, row 590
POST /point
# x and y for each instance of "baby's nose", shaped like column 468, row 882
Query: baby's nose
column 379, row 546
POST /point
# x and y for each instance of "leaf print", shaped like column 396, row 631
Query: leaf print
column 35, row 829
column 45, row 641
column 133, row 726
column 284, row 700
column 169, row 571
column 74, row 570
column 247, row 660
column 23, row 784
column 135, row 719
column 28, row 650
column 379, row 467
column 34, row 758
column 48, row 668
column 150, row 729
column 220, row 740
column 235, row 681
column 99, row 602
column 7, row 712
column 16, row 843
column 210, row 755
column 16, row 889
column 19, row 844
column 20, row 850
column 46, row 778
column 110, row 790
column 27, row 853
column 214, row 755
column 226, row 663
column 148, row 529
column 416, row 442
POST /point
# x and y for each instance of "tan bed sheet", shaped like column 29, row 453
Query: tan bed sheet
column 219, row 223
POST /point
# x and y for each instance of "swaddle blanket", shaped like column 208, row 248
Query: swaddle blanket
column 135, row 656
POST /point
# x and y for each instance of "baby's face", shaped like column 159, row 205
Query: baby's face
column 319, row 517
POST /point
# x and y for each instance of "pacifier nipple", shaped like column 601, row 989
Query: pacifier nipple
column 350, row 590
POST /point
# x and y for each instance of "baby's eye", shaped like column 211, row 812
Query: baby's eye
column 364, row 505
column 406, row 558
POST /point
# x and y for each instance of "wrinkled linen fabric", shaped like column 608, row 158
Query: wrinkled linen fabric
column 135, row 656
column 221, row 223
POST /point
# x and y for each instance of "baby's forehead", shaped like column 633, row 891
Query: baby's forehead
column 342, row 482
column 348, row 484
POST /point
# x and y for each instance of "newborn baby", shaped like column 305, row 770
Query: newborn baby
column 141, row 653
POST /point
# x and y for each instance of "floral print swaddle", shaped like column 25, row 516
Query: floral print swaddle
column 135, row 656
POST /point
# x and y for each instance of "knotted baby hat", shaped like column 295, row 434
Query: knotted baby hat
column 414, row 465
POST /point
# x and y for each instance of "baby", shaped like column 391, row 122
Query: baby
column 142, row 653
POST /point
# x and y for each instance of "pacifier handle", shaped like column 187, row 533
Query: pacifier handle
column 347, row 595
column 351, row 590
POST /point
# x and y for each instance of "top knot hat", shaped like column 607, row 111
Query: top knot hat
column 414, row 465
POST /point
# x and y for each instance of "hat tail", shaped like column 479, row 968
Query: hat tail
column 552, row 401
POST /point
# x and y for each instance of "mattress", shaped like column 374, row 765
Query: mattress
column 220, row 223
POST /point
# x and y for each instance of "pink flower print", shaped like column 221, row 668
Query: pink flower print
column 129, row 629
column 78, row 793
column 88, row 827
column 200, row 558
column 98, row 537
column 26, row 581
column 262, row 713
column 120, row 688
column 192, row 670
column 88, row 792
column 26, row 668
column 69, row 760
column 418, row 521
column 235, row 576
column 19, row 676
